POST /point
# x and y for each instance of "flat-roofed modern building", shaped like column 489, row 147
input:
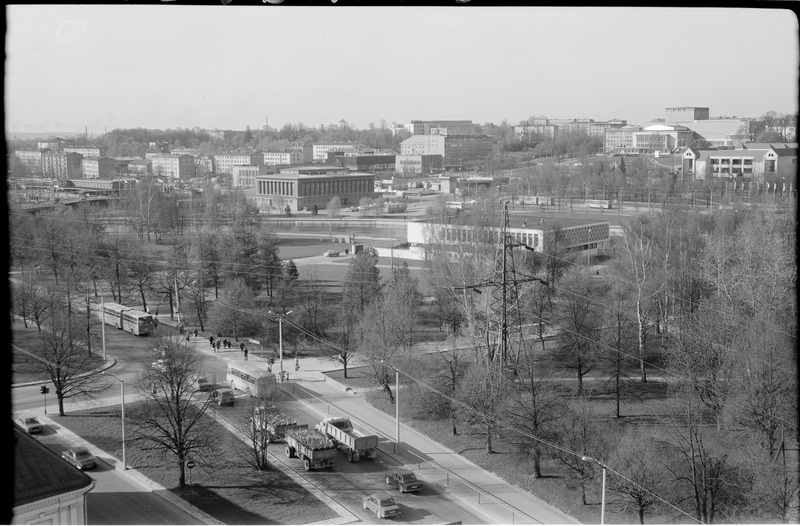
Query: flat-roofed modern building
column 661, row 138
column 452, row 127
column 620, row 140
column 278, row 157
column 467, row 150
column 245, row 176
column 758, row 162
column 418, row 164
column 423, row 145
column 174, row 166
column 320, row 150
column 363, row 160
column 587, row 236
column 686, row 113
column 61, row 165
column 32, row 159
column 302, row 188
column 99, row 167
column 224, row 163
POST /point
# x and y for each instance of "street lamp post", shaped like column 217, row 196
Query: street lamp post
column 280, row 337
column 603, row 494
column 122, row 390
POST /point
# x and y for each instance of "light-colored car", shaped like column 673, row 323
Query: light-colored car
column 29, row 423
column 330, row 253
column 80, row 457
column 383, row 505
column 404, row 480
column 223, row 397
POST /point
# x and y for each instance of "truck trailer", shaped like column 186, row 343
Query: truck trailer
column 355, row 444
column 314, row 448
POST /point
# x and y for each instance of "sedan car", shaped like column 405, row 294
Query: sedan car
column 80, row 457
column 404, row 480
column 330, row 253
column 383, row 505
column 29, row 423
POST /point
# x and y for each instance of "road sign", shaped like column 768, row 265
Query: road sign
column 190, row 464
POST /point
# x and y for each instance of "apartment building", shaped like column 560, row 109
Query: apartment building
column 31, row 159
column 278, row 157
column 86, row 151
column 61, row 165
column 224, row 163
column 319, row 152
column 245, row 176
column 173, row 166
column 99, row 167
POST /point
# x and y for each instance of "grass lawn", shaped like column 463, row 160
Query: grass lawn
column 222, row 485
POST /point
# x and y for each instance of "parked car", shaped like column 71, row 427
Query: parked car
column 383, row 505
column 29, row 423
column 330, row 253
column 404, row 480
column 223, row 397
column 80, row 457
column 201, row 384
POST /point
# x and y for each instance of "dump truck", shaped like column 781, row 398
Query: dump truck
column 314, row 448
column 355, row 444
column 274, row 423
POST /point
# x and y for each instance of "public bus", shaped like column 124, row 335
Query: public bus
column 251, row 378
column 132, row 320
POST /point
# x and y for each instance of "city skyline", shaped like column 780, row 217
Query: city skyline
column 320, row 65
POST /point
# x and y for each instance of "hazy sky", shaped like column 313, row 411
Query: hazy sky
column 72, row 67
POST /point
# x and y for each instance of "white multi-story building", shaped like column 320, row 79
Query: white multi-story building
column 174, row 166
column 320, row 151
column 86, row 151
column 245, row 176
column 99, row 167
column 277, row 157
column 423, row 145
column 224, row 163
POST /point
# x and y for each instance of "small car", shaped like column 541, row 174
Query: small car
column 29, row 423
column 80, row 457
column 223, row 397
column 330, row 253
column 404, row 480
column 201, row 384
column 383, row 505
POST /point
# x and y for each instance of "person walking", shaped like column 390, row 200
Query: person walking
column 211, row 341
column 297, row 364
column 245, row 354
column 241, row 346
column 195, row 333
column 219, row 343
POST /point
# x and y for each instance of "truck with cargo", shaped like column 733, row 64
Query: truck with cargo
column 314, row 448
column 273, row 422
column 355, row 444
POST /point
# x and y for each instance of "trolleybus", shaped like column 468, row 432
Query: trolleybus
column 252, row 379
column 132, row 320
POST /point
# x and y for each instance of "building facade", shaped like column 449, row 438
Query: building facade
column 303, row 189
column 423, row 145
column 86, row 151
column 452, row 127
column 245, row 176
column 61, row 165
column 173, row 166
column 418, row 164
column 278, row 157
column 319, row 152
column 758, row 164
column 99, row 167
column 686, row 113
column 32, row 159
column 467, row 150
column 224, row 163
column 661, row 139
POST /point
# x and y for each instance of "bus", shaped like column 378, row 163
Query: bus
column 132, row 320
column 252, row 379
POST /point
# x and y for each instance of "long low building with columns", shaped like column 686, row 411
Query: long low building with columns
column 301, row 188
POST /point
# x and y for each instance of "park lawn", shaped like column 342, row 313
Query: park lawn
column 221, row 485
column 24, row 367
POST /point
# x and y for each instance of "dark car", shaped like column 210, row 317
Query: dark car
column 80, row 457
column 404, row 480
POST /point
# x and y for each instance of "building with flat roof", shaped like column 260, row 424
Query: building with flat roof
column 99, row 167
column 587, row 236
column 758, row 162
column 61, row 165
column 245, row 176
column 660, row 139
column 446, row 127
column 461, row 151
column 413, row 164
column 685, row 113
column 86, row 151
column 174, row 166
column 302, row 189
column 224, row 162
column 319, row 151
column 279, row 157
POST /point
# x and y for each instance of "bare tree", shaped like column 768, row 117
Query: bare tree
column 638, row 458
column 579, row 437
column 171, row 416
column 485, row 392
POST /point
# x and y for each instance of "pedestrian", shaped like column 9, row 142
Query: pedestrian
column 297, row 364
column 219, row 343
column 241, row 346
column 156, row 311
column 245, row 354
column 188, row 336
column 211, row 340
column 195, row 333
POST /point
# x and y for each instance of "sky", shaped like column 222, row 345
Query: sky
column 99, row 67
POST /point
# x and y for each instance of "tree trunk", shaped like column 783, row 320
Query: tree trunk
column 489, row 438
column 641, row 340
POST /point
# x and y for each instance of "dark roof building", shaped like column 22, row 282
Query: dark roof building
column 47, row 489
